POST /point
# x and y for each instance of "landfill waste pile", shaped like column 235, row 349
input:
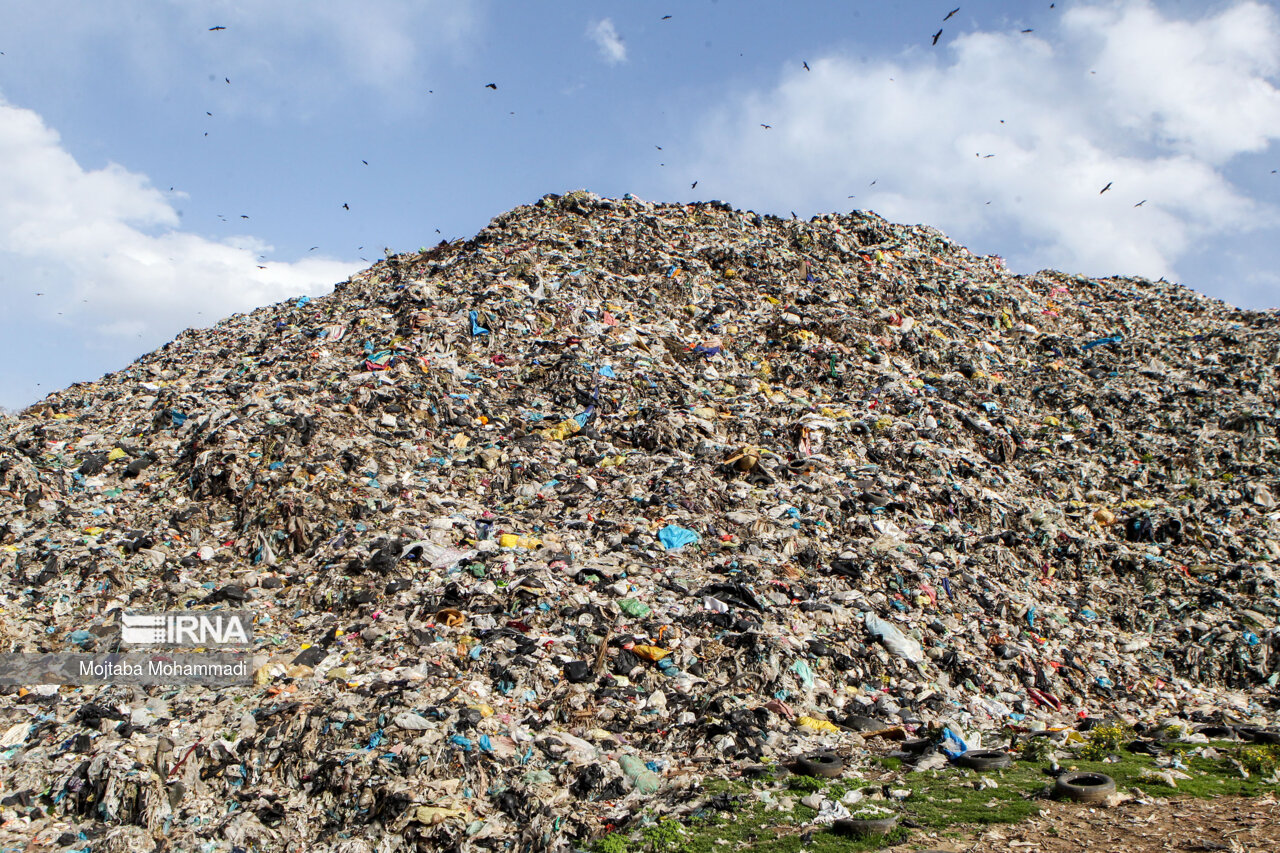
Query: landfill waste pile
column 542, row 528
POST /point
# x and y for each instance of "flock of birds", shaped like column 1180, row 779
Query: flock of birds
column 934, row 39
column 494, row 86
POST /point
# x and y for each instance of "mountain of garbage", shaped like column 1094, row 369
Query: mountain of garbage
column 541, row 529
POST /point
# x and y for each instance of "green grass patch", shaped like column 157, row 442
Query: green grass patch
column 940, row 801
column 942, row 798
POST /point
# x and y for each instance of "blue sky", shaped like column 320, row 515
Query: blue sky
column 135, row 141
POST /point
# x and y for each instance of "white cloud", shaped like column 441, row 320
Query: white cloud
column 103, row 250
column 1124, row 95
column 612, row 48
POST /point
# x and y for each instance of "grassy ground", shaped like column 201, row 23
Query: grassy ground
column 939, row 802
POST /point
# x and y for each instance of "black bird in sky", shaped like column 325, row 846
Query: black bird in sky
column 366, row 162
column 666, row 17
column 806, row 65
column 211, row 29
column 1028, row 31
column 949, row 14
column 345, row 206
column 1141, row 203
column 313, row 248
column 766, row 126
column 493, row 86
column 228, row 79
column 693, row 186
column 937, row 36
column 1107, row 187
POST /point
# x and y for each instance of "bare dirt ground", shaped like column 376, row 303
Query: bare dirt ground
column 1238, row 825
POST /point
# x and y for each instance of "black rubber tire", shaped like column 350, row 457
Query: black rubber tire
column 1084, row 787
column 859, row 723
column 824, row 765
column 1216, row 732
column 985, row 759
column 917, row 746
column 861, row 828
column 1252, row 734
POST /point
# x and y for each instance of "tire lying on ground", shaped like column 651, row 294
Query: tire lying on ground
column 826, row 765
column 985, row 759
column 1084, row 787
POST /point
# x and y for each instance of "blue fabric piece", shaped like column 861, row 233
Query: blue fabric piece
column 459, row 740
column 607, row 371
column 953, row 746
column 1113, row 339
column 476, row 328
column 673, row 536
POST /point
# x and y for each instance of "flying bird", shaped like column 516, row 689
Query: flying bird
column 313, row 248
column 243, row 216
column 1107, row 187
column 949, row 14
column 1141, row 203
column 345, row 206
column 666, row 17
column 766, row 126
column 659, row 147
column 366, row 162
column 493, row 86
column 211, row 29
column 228, row 79
column 1028, row 31
column 806, row 65
column 693, row 185
column 937, row 36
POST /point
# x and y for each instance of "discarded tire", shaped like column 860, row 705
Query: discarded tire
column 1257, row 735
column 826, row 765
column 857, row 827
column 985, row 759
column 1084, row 787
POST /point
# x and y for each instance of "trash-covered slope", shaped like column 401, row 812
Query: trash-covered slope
column 542, row 527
